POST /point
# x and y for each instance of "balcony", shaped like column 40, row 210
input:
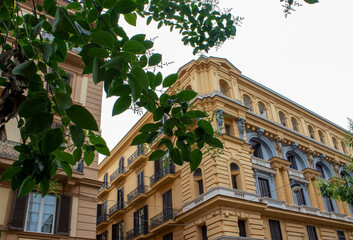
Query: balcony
column 134, row 160
column 101, row 218
column 117, row 176
column 271, row 202
column 79, row 166
column 163, row 176
column 116, row 209
column 7, row 150
column 141, row 230
column 138, row 194
column 103, row 191
column 163, row 217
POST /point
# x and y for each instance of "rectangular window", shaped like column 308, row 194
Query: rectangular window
column 140, row 182
column 329, row 204
column 234, row 182
column 300, row 197
column 204, row 232
column 341, row 235
column 168, row 236
column 167, row 205
column 118, row 231
column 141, row 221
column 40, row 213
column 275, row 229
column 227, row 129
column 311, row 232
column 264, row 188
column 241, row 226
column 200, row 185
column 120, row 198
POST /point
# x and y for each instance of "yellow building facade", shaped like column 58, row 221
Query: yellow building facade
column 73, row 215
column 261, row 187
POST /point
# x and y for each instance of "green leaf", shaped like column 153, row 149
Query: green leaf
column 121, row 105
column 196, row 157
column 215, row 142
column 205, row 125
column 187, row 95
column 52, row 140
column 46, row 50
column 164, row 99
column 74, row 5
column 195, row 114
column 151, row 137
column 33, row 106
column 36, row 30
column 115, row 62
column 139, row 139
column 126, row 6
column 97, row 52
column 102, row 149
column 311, row 1
column 155, row 59
column 140, row 77
column 149, row 19
column 67, row 168
column 77, row 154
column 103, row 38
column 109, row 3
column 82, row 117
column 88, row 156
column 158, row 114
column 78, row 136
column 134, row 47
column 139, row 37
column 170, row 80
column 176, row 156
column 63, row 101
column 150, row 127
column 96, row 139
column 92, row 15
column 7, row 174
column 27, row 186
column 167, row 142
column 156, row 155
column 158, row 79
column 26, row 69
column 64, row 157
column 130, row 18
column 38, row 123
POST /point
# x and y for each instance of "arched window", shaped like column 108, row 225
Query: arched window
column 334, row 142
column 258, row 149
column 247, row 102
column 188, row 87
column 198, row 180
column 321, row 136
column 282, row 118
column 326, row 174
column 121, row 165
column 262, row 149
column 234, row 169
column 292, row 160
column 343, row 147
column 262, row 109
column 224, row 87
column 311, row 132
column 294, row 124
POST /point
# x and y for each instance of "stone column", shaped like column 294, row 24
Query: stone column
column 312, row 196
column 283, row 190
column 287, row 186
column 279, row 185
column 311, row 174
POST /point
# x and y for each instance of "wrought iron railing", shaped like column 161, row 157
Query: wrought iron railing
column 137, row 191
column 135, row 155
column 161, row 173
column 7, row 149
column 116, row 207
column 167, row 214
column 136, row 231
column 101, row 218
column 116, row 173
column 104, row 186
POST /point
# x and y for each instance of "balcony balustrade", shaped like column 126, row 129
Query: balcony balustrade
column 101, row 218
column 136, row 232
column 161, row 173
column 163, row 216
column 137, row 191
column 116, row 207
column 116, row 173
column 135, row 155
column 7, row 150
column 104, row 186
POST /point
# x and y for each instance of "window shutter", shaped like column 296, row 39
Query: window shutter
column 115, row 232
column 145, row 214
column 136, row 222
column 18, row 214
column 63, row 215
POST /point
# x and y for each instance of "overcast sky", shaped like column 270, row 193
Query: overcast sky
column 307, row 57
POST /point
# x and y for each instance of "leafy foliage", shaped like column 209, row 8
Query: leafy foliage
column 36, row 88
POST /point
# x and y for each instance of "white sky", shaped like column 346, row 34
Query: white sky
column 306, row 57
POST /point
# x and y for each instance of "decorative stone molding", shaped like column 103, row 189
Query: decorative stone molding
column 241, row 127
column 279, row 163
column 279, row 145
column 310, row 174
column 310, row 155
column 219, row 118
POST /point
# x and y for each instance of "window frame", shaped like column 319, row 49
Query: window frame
column 242, row 228
column 276, row 225
column 313, row 231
